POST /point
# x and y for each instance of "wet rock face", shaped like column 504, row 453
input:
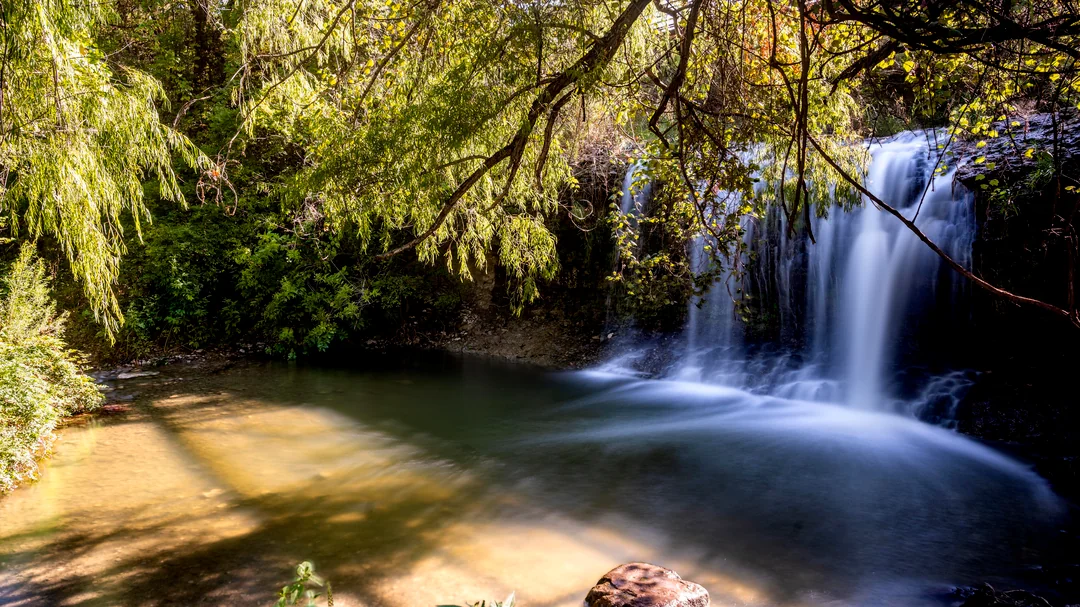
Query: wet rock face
column 1006, row 152
column 645, row 585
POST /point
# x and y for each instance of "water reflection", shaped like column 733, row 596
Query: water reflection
column 447, row 481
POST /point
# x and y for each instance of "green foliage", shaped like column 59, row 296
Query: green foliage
column 177, row 283
column 40, row 379
column 307, row 292
column 344, row 134
column 652, row 278
column 299, row 589
column 397, row 105
column 308, row 301
column 77, row 138
column 203, row 278
column 158, row 38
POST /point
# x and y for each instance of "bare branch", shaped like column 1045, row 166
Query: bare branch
column 1071, row 316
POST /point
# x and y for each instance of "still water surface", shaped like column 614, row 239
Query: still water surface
column 434, row 481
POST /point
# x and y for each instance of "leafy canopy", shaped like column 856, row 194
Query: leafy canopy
column 78, row 136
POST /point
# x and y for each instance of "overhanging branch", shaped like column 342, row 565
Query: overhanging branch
column 598, row 56
column 1070, row 315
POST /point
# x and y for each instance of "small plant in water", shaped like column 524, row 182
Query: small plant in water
column 298, row 589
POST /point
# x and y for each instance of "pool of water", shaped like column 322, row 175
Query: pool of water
column 426, row 480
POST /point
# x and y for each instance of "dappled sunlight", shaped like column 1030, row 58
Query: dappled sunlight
column 258, row 450
column 115, row 499
column 193, row 492
column 435, row 491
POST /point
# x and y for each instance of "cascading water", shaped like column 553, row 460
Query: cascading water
column 887, row 278
column 863, row 300
column 713, row 333
column 794, row 418
column 634, row 193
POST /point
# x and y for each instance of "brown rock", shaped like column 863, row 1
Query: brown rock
column 645, row 585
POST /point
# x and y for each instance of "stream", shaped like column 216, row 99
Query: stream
column 424, row 479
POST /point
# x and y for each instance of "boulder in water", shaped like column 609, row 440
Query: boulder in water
column 645, row 585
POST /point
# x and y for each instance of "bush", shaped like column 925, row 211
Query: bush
column 201, row 279
column 40, row 378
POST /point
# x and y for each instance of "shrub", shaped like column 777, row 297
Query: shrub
column 40, row 378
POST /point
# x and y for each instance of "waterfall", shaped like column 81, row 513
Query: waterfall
column 711, row 320
column 634, row 193
column 890, row 277
column 868, row 302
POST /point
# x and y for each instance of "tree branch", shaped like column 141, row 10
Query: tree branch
column 597, row 57
column 1071, row 316
column 680, row 72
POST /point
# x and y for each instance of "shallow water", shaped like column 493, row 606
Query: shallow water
column 434, row 481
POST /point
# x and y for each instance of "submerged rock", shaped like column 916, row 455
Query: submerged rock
column 986, row 596
column 645, row 585
column 137, row 374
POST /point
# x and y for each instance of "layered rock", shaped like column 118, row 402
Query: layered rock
column 1005, row 155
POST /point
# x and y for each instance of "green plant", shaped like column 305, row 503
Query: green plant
column 40, row 378
column 292, row 593
column 80, row 135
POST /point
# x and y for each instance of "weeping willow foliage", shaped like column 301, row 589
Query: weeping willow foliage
column 78, row 138
column 397, row 105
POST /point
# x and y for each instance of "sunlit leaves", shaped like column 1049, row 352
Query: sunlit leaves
column 40, row 380
column 77, row 139
column 397, row 104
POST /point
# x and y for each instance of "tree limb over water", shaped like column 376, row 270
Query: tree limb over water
column 1071, row 315
column 548, row 100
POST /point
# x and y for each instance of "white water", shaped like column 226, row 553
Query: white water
column 855, row 308
column 634, row 195
column 800, row 425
